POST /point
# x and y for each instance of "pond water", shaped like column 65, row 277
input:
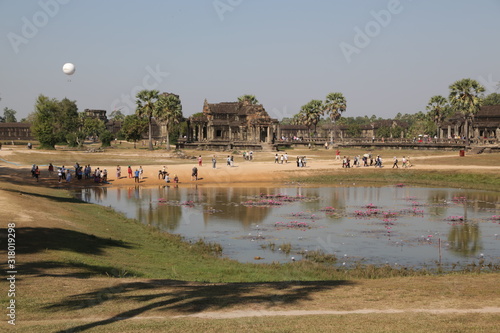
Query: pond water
column 408, row 226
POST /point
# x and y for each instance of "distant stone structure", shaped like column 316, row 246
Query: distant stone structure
column 232, row 125
column 15, row 131
column 99, row 114
column 337, row 132
column 485, row 128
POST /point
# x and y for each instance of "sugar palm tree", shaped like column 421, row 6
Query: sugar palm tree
column 146, row 106
column 168, row 112
column 437, row 108
column 310, row 113
column 250, row 98
column 466, row 98
column 334, row 105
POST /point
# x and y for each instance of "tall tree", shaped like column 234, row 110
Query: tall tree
column 92, row 127
column 437, row 108
column 53, row 120
column 310, row 113
column 465, row 97
column 146, row 108
column 9, row 115
column 168, row 112
column 132, row 128
column 335, row 104
column 250, row 98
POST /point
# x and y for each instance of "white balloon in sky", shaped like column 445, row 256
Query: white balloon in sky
column 68, row 68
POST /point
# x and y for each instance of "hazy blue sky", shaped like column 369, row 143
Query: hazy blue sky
column 384, row 56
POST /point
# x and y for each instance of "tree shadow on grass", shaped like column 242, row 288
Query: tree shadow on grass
column 71, row 269
column 33, row 240
column 188, row 298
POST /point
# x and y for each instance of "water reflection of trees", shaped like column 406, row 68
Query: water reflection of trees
column 465, row 239
column 162, row 216
column 224, row 204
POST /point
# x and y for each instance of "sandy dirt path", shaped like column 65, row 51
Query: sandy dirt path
column 256, row 171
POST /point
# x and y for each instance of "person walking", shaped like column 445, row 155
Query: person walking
column 276, row 159
column 194, row 173
column 51, row 169
column 286, row 158
column 214, row 162
column 395, row 163
column 118, row 172
column 59, row 174
column 129, row 170
column 200, row 161
column 37, row 173
column 282, row 159
column 141, row 172
column 136, row 176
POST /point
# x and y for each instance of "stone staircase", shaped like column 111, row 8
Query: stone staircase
column 268, row 146
column 477, row 150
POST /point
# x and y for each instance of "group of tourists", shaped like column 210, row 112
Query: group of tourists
column 365, row 161
column 301, row 161
column 165, row 175
column 67, row 174
column 282, row 159
column 405, row 162
column 248, row 156
column 368, row 160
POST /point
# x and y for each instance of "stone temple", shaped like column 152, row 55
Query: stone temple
column 228, row 125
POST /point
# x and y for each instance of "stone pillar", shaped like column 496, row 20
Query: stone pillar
column 476, row 133
column 449, row 131
column 268, row 139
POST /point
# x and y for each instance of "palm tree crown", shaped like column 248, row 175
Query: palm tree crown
column 250, row 98
column 335, row 104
